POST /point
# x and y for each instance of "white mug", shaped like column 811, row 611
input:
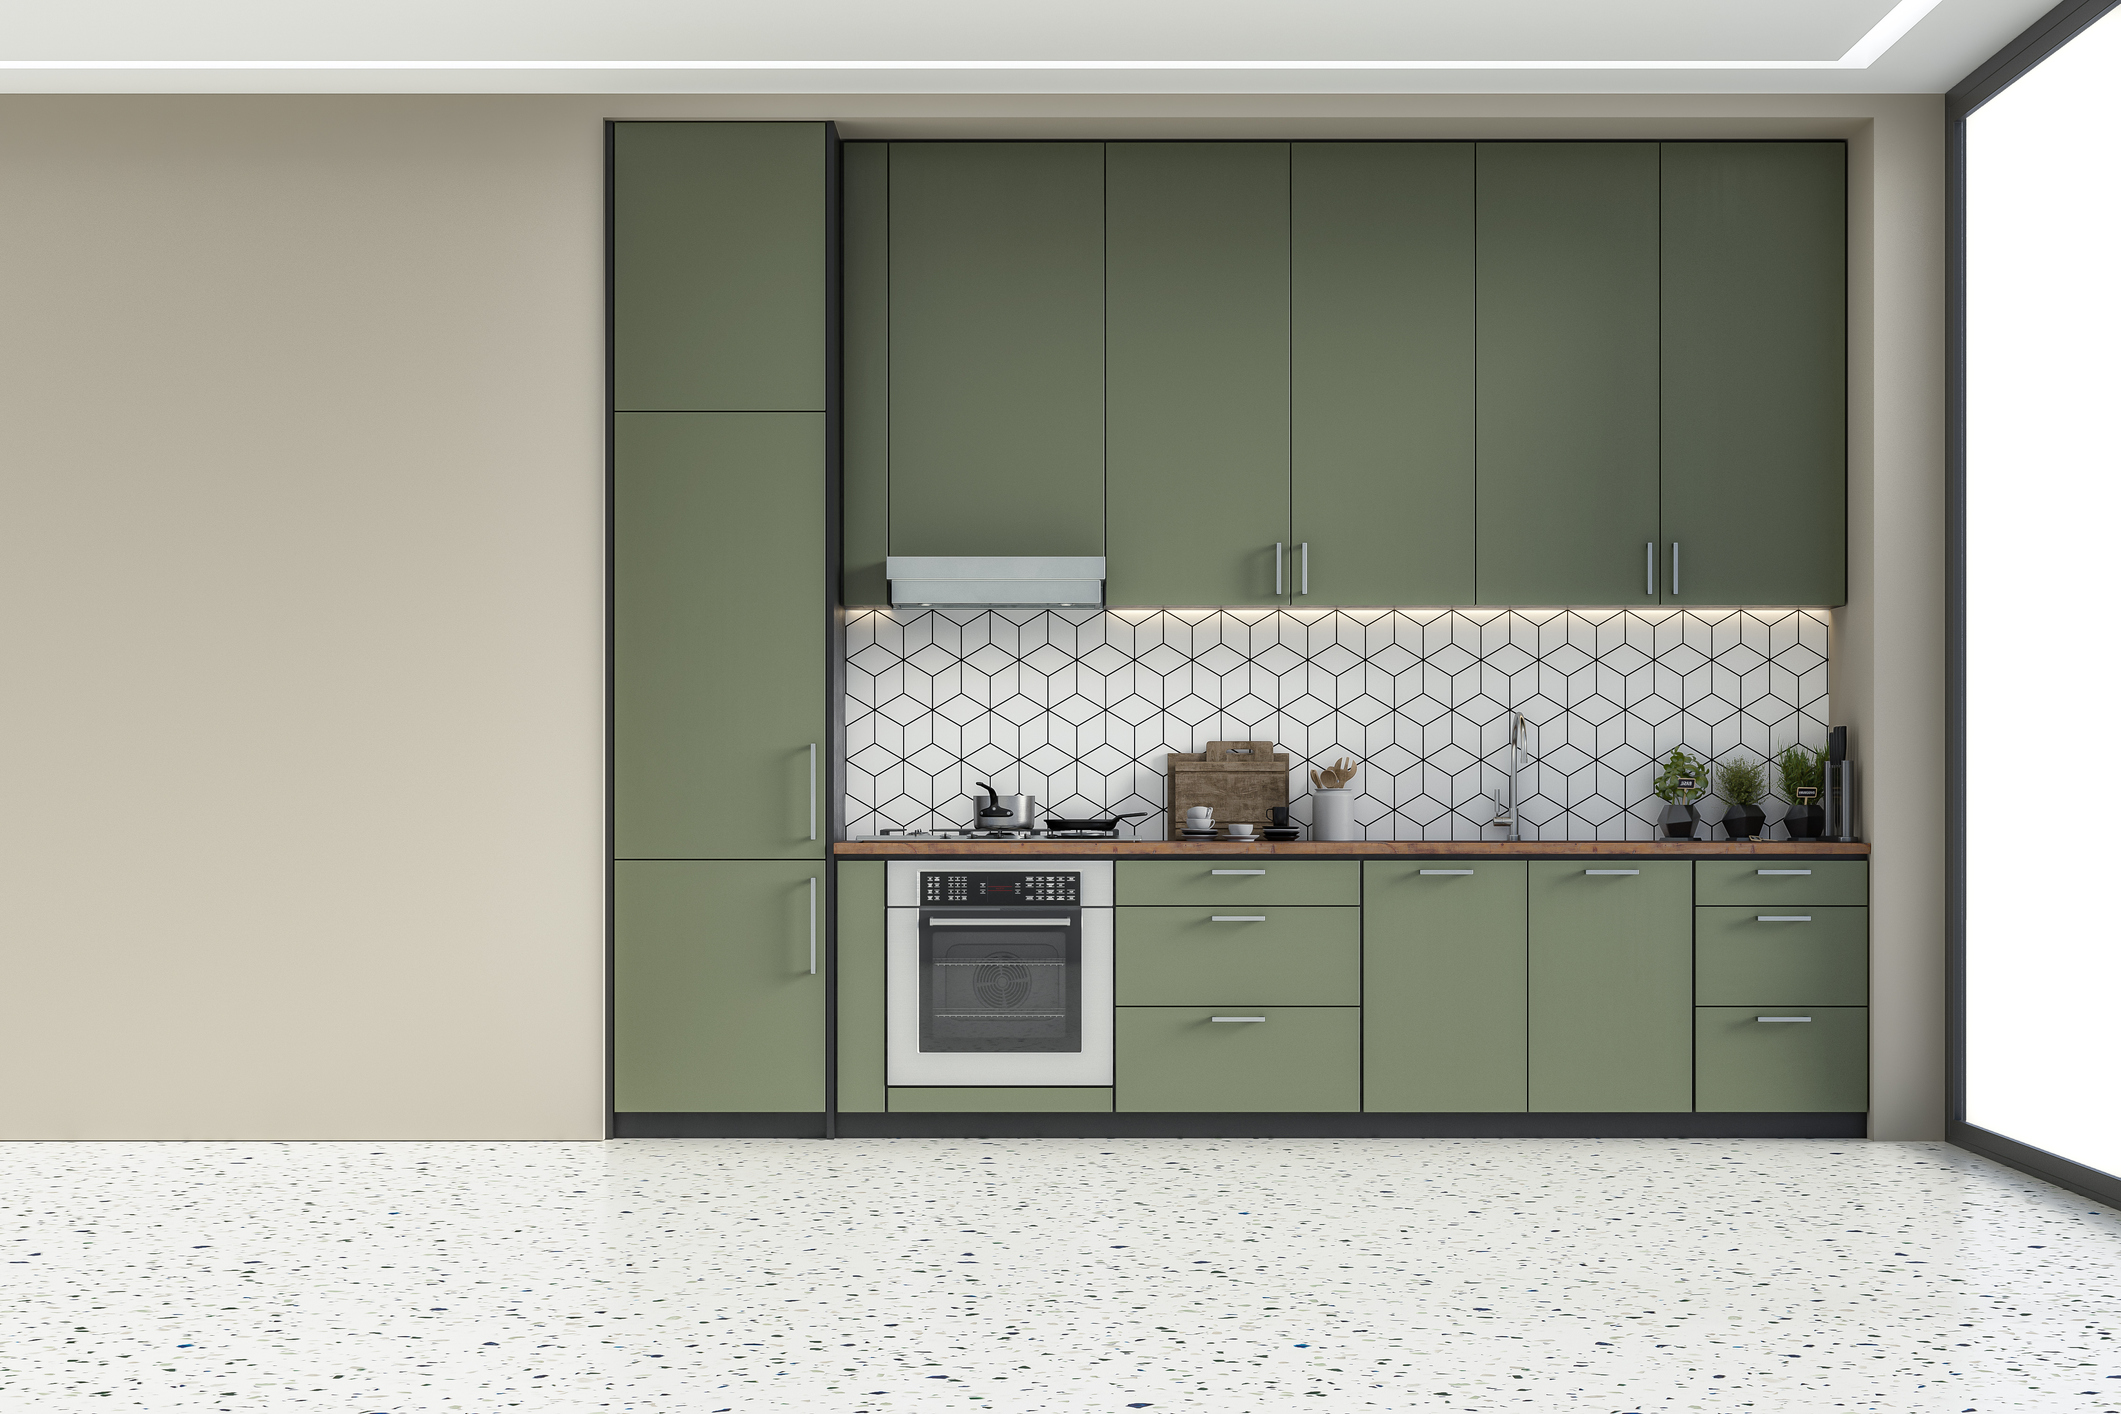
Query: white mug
column 1200, row 816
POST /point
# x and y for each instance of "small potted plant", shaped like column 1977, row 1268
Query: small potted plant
column 1743, row 783
column 1803, row 773
column 1679, row 785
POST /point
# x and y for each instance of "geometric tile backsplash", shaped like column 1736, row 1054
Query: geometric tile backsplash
column 1079, row 708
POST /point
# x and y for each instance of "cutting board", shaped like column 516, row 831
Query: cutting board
column 1242, row 789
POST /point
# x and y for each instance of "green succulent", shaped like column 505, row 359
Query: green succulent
column 1742, row 780
column 1683, row 780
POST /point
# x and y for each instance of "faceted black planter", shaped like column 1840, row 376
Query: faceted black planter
column 1678, row 821
column 1743, row 821
column 1804, row 822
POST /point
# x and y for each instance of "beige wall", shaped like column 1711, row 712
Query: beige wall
column 301, row 586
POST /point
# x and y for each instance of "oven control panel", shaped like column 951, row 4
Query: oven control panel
column 983, row 889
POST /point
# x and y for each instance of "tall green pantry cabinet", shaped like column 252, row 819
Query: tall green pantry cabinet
column 719, row 463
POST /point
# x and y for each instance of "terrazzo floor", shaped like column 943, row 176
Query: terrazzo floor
column 1051, row 1275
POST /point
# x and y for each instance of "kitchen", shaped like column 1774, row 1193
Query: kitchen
column 1362, row 533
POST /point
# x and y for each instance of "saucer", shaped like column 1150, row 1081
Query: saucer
column 1198, row 834
column 1288, row 833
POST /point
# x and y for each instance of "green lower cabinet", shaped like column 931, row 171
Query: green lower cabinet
column 1819, row 956
column 1000, row 1099
column 1611, row 1004
column 1795, row 882
column 1251, row 957
column 860, row 977
column 719, row 1000
column 1219, row 880
column 1785, row 1060
column 1444, row 986
column 1262, row 1060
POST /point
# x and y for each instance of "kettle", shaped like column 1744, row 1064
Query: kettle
column 1016, row 812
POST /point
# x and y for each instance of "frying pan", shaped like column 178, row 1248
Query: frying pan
column 1097, row 825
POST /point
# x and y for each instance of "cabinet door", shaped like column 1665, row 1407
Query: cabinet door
column 1381, row 396
column 1197, row 372
column 1755, row 372
column 1611, row 986
column 865, row 372
column 997, row 348
column 1567, row 372
column 716, row 1007
column 1283, row 1060
column 718, row 267
column 1444, row 986
column 718, row 635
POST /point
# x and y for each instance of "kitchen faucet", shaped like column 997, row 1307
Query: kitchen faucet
column 1506, row 814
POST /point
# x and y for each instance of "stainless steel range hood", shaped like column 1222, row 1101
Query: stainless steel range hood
column 996, row 581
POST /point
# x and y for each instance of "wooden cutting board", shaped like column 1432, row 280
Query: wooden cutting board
column 1241, row 789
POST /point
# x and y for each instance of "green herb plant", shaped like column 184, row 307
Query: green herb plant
column 1742, row 780
column 1681, row 767
column 1801, row 769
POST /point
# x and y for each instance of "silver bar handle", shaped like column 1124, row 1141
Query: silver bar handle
column 1675, row 567
column 1237, row 871
column 1053, row 922
column 1305, row 582
column 1430, row 873
column 1782, row 918
column 813, row 925
column 1783, row 873
column 1277, row 566
column 1782, row 1018
column 1262, row 1018
column 1237, row 918
column 813, row 796
column 1649, row 568
column 1610, row 873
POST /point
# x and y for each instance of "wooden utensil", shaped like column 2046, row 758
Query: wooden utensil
column 1335, row 776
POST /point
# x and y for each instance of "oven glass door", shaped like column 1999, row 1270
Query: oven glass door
column 1001, row 980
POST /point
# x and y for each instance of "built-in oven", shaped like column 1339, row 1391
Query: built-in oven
column 998, row 973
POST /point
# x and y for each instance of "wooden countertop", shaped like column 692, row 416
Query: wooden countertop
column 1354, row 849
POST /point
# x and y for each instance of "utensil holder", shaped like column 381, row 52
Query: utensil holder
column 1333, row 815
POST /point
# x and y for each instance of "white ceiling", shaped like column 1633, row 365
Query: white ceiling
column 982, row 46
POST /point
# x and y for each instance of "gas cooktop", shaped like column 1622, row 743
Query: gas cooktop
column 989, row 836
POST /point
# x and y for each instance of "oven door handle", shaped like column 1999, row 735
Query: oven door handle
column 996, row 922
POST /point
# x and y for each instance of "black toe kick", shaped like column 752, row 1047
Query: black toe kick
column 1246, row 1126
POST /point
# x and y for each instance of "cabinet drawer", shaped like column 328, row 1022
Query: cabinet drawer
column 1749, row 881
column 1816, row 956
column 1291, row 1060
column 1262, row 956
column 1225, row 880
column 1819, row 1065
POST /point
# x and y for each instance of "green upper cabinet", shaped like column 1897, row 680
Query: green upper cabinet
column 1381, row 394
column 865, row 361
column 997, row 310
column 1197, row 372
column 1568, row 383
column 1611, row 1014
column 1755, row 314
column 718, row 1001
column 719, row 235
column 718, row 690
